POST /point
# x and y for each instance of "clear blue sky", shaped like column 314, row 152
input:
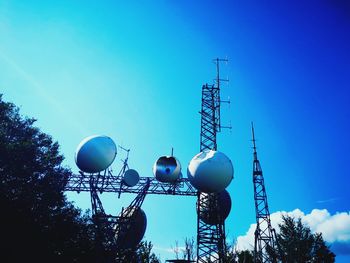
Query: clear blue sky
column 133, row 70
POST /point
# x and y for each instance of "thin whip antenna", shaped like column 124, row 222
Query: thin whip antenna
column 254, row 143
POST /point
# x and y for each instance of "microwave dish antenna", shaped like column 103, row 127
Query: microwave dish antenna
column 95, row 154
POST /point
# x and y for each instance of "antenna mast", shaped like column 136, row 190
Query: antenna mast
column 264, row 233
column 211, row 240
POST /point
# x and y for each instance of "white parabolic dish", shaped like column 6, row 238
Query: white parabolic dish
column 167, row 169
column 95, row 153
column 210, row 171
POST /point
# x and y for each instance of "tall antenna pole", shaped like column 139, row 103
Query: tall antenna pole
column 210, row 238
column 264, row 233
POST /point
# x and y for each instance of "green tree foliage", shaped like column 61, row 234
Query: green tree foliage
column 298, row 244
column 37, row 222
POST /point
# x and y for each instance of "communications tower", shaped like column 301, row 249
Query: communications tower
column 264, row 233
column 210, row 232
column 210, row 238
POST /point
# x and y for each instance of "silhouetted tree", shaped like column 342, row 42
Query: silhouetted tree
column 37, row 223
column 233, row 255
column 176, row 249
column 189, row 251
column 145, row 254
column 245, row 256
column 298, row 244
column 142, row 254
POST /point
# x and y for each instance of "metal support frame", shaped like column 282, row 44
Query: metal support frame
column 113, row 184
column 125, row 220
column 211, row 239
column 96, row 204
column 104, row 224
column 108, row 225
column 210, row 120
column 264, row 233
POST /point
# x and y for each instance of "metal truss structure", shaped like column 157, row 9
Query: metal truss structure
column 104, row 224
column 264, row 233
column 211, row 240
column 107, row 225
column 210, row 117
column 114, row 184
column 125, row 221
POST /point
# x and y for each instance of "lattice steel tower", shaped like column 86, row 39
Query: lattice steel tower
column 264, row 233
column 210, row 238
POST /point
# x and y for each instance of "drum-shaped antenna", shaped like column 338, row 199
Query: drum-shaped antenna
column 167, row 169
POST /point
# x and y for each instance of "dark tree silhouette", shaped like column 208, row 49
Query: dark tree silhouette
column 145, row 254
column 298, row 244
column 233, row 255
column 37, row 223
column 189, row 251
column 142, row 254
column 245, row 256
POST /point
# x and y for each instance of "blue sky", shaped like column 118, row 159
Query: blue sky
column 133, row 70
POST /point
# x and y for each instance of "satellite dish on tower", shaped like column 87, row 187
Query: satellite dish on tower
column 129, row 235
column 167, row 169
column 95, row 153
column 216, row 207
column 131, row 177
column 210, row 171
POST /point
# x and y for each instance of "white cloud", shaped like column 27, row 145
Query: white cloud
column 246, row 241
column 334, row 228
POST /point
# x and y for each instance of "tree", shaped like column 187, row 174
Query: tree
column 298, row 244
column 232, row 255
column 145, row 254
column 245, row 256
column 189, row 251
column 176, row 249
column 37, row 223
column 142, row 254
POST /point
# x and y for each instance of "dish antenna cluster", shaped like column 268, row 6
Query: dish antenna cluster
column 208, row 175
column 95, row 154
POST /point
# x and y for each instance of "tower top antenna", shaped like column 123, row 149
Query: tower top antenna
column 217, row 63
column 254, row 143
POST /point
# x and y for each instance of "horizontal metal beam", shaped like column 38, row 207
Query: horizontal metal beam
column 113, row 184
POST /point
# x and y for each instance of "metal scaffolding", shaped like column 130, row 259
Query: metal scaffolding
column 211, row 240
column 264, row 233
